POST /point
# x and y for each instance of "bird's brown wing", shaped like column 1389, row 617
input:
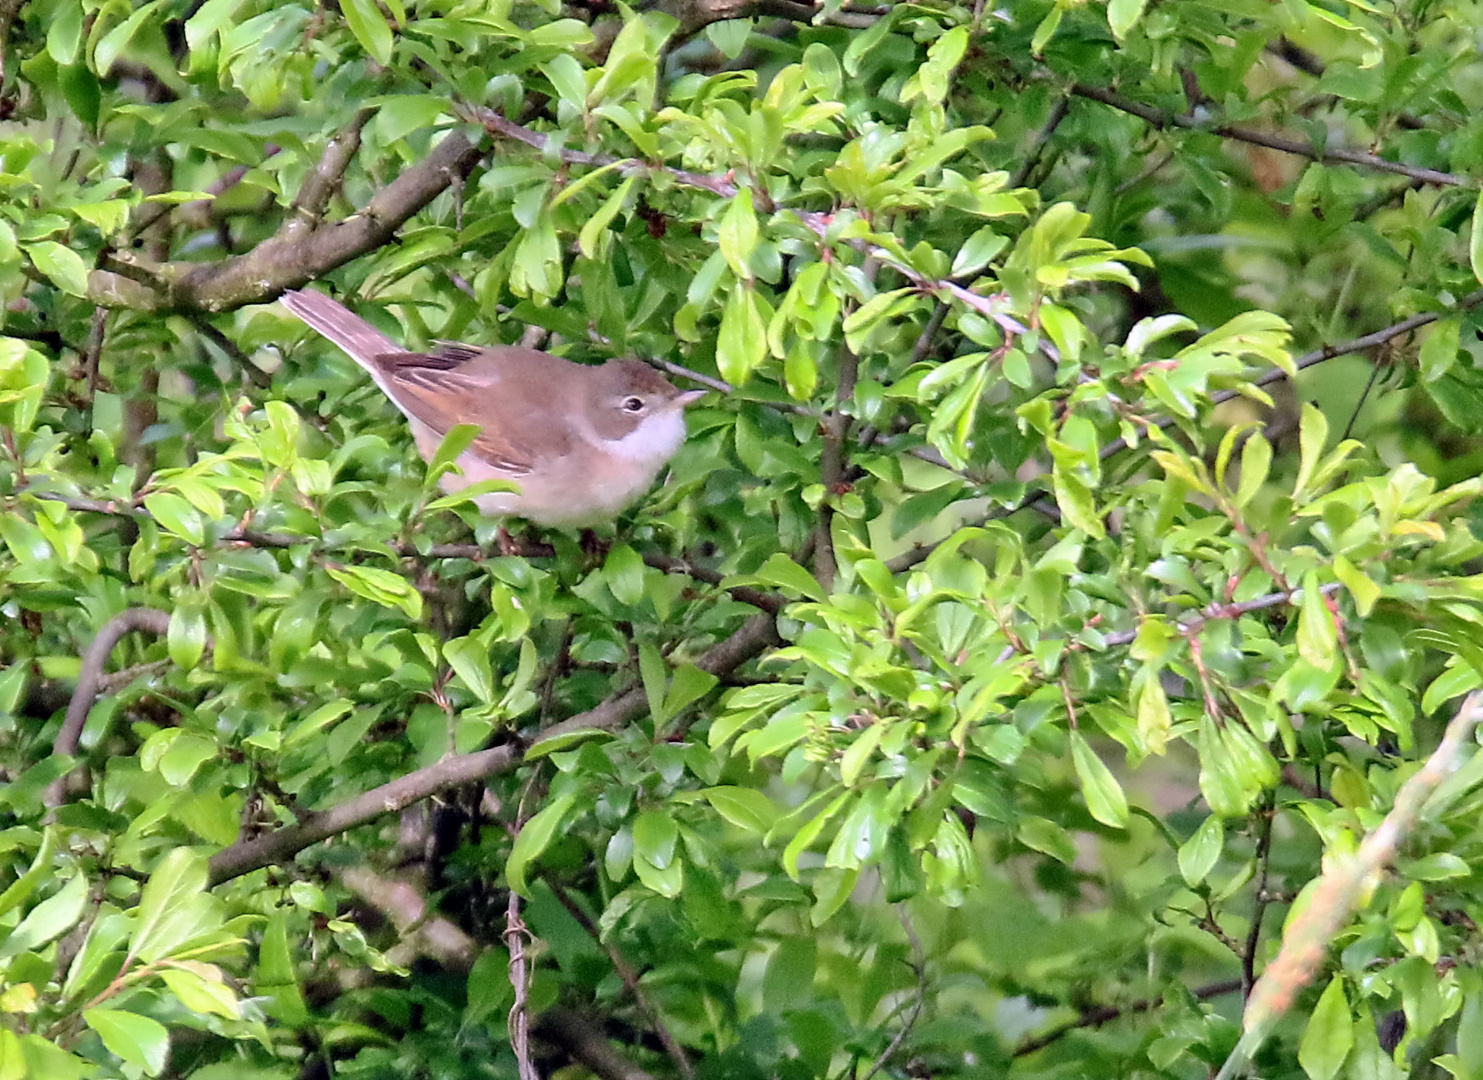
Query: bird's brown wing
column 462, row 384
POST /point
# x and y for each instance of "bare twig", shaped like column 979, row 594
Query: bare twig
column 910, row 1023
column 1098, row 1015
column 517, row 936
column 1037, row 148
column 92, row 353
column 832, row 464
column 1259, row 903
column 1324, row 353
column 1162, row 118
column 321, row 184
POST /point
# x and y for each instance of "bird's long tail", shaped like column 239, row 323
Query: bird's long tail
column 344, row 327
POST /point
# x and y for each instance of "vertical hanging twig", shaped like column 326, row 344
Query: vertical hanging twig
column 517, row 936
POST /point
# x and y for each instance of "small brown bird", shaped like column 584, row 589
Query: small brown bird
column 581, row 441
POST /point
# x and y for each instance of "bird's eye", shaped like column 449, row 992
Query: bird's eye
column 633, row 404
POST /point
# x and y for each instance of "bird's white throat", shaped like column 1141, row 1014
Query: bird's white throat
column 654, row 441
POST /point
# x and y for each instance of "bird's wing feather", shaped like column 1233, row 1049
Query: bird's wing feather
column 461, row 384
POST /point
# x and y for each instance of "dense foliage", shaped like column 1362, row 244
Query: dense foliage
column 1018, row 637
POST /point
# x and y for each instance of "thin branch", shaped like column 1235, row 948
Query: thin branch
column 920, row 968
column 832, row 465
column 260, row 378
column 307, row 210
column 630, row 979
column 1259, row 903
column 1319, row 355
column 517, row 936
column 1098, row 1015
column 90, row 682
column 406, row 908
column 92, row 353
column 1162, row 118
column 1037, row 148
column 923, row 347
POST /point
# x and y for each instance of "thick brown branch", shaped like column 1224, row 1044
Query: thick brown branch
column 291, row 257
column 281, row 844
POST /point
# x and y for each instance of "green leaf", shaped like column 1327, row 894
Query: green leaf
column 138, row 1040
column 202, row 989
column 1318, row 636
column 20, row 890
column 382, row 586
column 179, row 877
column 1329, row 1035
column 1313, row 433
column 176, row 515
column 1104, row 795
column 746, row 808
column 654, row 837
column 687, row 685
column 49, row 919
column 1123, row 15
column 596, row 227
column 1199, row 854
column 469, row 658
column 1438, row 352
column 736, row 235
column 535, row 836
column 277, row 980
column 1256, row 463
column 1475, row 240
column 186, row 634
column 459, row 438
column 624, row 573
column 370, row 28
column 318, row 720
column 61, row 265
column 741, row 343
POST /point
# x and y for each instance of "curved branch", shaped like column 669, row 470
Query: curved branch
column 90, row 676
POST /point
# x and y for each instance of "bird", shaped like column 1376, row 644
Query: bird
column 582, row 442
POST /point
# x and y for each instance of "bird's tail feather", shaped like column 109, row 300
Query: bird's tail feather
column 345, row 328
